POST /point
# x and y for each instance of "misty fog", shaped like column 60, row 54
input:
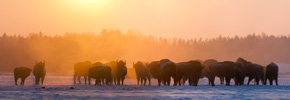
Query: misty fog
column 60, row 52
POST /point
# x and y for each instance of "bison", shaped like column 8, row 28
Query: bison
column 167, row 71
column 206, row 72
column 191, row 70
column 255, row 71
column 21, row 72
column 163, row 71
column 119, row 71
column 142, row 73
column 81, row 69
column 154, row 69
column 227, row 69
column 272, row 73
column 39, row 72
column 102, row 74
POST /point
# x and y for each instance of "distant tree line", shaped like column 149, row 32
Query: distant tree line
column 61, row 51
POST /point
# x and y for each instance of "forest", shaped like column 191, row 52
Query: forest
column 60, row 52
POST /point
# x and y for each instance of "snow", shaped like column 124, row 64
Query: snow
column 61, row 87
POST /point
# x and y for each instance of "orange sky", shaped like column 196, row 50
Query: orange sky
column 166, row 18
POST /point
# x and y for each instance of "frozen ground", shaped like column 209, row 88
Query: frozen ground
column 58, row 87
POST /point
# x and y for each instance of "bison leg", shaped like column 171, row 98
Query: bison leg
column 159, row 81
column 138, row 80
column 276, row 80
column 79, row 79
column 250, row 79
column 96, row 82
column 141, row 81
column 42, row 79
column 75, row 79
column 196, row 82
column 212, row 80
column 164, row 81
column 107, row 81
column 271, row 80
column 176, row 81
column 182, row 81
column 22, row 81
column 145, row 81
column 190, row 81
column 15, row 79
column 103, row 81
column 228, row 80
column 265, row 82
column 89, row 80
column 85, row 80
column 208, row 81
column 168, row 81
column 257, row 81
column 123, row 78
column 149, row 80
column 262, row 79
column 115, row 81
column 37, row 80
column 237, row 82
column 222, row 80
column 118, row 80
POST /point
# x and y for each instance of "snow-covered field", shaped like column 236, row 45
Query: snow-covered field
column 59, row 87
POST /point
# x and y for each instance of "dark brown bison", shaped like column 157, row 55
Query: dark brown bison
column 39, row 72
column 119, row 71
column 272, row 73
column 154, row 69
column 81, row 69
column 255, row 71
column 191, row 70
column 241, row 63
column 142, row 73
column 21, row 72
column 167, row 71
column 102, row 74
column 228, row 70
column 206, row 72
column 162, row 70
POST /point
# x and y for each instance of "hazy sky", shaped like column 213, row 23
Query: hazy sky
column 167, row 18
